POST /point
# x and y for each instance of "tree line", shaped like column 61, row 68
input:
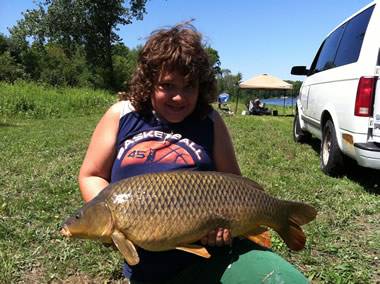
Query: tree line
column 71, row 43
column 75, row 43
column 50, row 65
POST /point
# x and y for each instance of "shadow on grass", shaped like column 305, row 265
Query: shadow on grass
column 117, row 275
column 8, row 125
column 366, row 177
column 277, row 115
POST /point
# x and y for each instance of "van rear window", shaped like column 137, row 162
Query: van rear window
column 344, row 44
column 349, row 49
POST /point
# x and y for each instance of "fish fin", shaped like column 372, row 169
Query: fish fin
column 195, row 249
column 301, row 213
column 259, row 235
column 126, row 247
column 298, row 214
column 293, row 235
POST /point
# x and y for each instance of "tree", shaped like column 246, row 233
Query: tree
column 76, row 23
column 125, row 61
column 102, row 19
column 9, row 69
column 214, row 59
column 3, row 43
column 228, row 83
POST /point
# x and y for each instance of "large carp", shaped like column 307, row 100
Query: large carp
column 172, row 210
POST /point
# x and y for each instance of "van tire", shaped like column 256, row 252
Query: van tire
column 299, row 135
column 332, row 161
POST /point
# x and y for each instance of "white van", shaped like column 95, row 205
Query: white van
column 339, row 101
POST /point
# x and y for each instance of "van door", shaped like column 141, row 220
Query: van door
column 376, row 110
column 303, row 95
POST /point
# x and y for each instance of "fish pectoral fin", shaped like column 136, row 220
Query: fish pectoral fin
column 195, row 249
column 126, row 247
column 259, row 235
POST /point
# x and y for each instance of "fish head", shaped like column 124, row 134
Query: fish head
column 92, row 221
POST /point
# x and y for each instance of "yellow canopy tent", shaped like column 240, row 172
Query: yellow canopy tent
column 264, row 81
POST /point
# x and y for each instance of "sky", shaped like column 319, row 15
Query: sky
column 252, row 37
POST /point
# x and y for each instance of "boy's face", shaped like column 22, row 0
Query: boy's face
column 173, row 97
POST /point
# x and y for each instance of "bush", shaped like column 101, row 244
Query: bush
column 9, row 69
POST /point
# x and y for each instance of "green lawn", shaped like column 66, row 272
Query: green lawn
column 40, row 160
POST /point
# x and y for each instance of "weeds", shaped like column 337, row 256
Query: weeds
column 30, row 100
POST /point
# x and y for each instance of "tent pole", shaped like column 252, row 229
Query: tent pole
column 237, row 100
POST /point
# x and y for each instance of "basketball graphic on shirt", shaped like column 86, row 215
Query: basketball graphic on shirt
column 157, row 152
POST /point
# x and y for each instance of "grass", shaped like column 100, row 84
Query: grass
column 40, row 160
column 343, row 242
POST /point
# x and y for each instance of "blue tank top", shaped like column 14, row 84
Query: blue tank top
column 148, row 144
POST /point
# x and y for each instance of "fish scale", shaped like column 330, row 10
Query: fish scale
column 163, row 214
column 162, row 211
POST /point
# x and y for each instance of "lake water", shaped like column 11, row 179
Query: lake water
column 280, row 102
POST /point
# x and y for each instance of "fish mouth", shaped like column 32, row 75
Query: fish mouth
column 65, row 231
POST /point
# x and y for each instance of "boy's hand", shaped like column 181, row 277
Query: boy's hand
column 218, row 237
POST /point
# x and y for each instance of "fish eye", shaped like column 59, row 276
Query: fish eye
column 77, row 216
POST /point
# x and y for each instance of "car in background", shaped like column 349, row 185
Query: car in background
column 339, row 101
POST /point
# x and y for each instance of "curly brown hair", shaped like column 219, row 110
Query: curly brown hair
column 180, row 49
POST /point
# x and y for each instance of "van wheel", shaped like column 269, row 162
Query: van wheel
column 299, row 135
column 331, row 156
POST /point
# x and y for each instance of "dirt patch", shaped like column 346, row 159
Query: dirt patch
column 37, row 276
column 84, row 278
column 369, row 223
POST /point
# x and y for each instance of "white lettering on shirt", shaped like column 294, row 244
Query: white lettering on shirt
column 160, row 135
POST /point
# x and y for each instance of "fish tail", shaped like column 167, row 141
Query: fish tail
column 298, row 214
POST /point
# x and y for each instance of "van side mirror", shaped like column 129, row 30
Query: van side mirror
column 299, row 70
